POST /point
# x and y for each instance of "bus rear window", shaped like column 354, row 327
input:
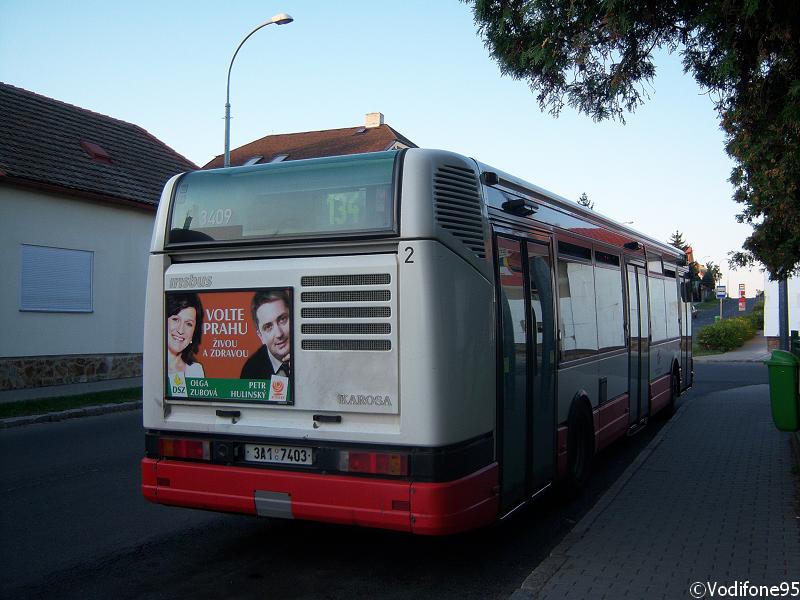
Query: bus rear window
column 337, row 196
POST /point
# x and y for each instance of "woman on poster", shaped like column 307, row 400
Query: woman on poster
column 184, row 332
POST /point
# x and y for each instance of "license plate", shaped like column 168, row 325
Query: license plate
column 284, row 455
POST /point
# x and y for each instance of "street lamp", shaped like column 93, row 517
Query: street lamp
column 279, row 19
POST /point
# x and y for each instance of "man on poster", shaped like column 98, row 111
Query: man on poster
column 271, row 312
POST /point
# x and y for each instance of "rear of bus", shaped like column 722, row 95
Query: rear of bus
column 320, row 344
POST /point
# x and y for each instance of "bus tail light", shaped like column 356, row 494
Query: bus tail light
column 376, row 463
column 178, row 448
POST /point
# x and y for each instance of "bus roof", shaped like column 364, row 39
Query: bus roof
column 540, row 194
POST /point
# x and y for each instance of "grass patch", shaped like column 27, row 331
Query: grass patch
column 697, row 350
column 25, row 408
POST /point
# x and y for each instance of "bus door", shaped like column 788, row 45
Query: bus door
column 686, row 330
column 543, row 354
column 526, row 415
column 638, row 344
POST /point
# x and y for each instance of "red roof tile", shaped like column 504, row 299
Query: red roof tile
column 314, row 144
column 43, row 141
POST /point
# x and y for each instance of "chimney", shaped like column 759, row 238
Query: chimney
column 374, row 120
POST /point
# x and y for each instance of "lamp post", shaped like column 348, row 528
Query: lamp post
column 279, row 19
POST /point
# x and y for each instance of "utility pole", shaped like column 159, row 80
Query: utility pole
column 783, row 313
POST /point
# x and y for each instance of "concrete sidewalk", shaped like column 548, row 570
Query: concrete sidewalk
column 711, row 501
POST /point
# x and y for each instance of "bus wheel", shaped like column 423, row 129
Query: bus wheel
column 674, row 387
column 580, row 447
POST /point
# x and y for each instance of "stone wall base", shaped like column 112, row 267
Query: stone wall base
column 21, row 372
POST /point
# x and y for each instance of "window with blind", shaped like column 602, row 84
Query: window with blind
column 55, row 279
column 577, row 313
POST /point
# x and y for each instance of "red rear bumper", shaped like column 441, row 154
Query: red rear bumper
column 422, row 508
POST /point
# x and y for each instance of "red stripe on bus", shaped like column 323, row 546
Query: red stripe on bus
column 454, row 506
column 435, row 508
column 659, row 393
column 612, row 421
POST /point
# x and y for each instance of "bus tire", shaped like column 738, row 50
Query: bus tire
column 580, row 446
column 674, row 392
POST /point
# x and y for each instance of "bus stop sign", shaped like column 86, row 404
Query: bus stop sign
column 721, row 293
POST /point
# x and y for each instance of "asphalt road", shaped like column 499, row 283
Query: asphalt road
column 69, row 496
column 74, row 525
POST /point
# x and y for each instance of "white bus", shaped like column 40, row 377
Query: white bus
column 410, row 340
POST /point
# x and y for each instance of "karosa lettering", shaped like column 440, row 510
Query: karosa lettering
column 361, row 399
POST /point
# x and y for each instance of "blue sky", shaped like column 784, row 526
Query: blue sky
column 162, row 65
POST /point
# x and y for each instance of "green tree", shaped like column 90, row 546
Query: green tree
column 696, row 281
column 676, row 239
column 584, row 201
column 597, row 56
column 712, row 275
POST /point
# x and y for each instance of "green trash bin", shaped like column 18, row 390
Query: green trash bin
column 783, row 390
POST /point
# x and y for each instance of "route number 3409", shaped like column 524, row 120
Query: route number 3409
column 220, row 216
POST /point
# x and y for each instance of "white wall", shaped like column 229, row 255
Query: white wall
column 119, row 238
column 771, row 306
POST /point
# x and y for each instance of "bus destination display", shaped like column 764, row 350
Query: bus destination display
column 337, row 196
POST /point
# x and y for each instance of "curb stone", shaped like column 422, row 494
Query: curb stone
column 712, row 358
column 73, row 413
column 538, row 578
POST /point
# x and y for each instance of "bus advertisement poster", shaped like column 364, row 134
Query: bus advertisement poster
column 230, row 345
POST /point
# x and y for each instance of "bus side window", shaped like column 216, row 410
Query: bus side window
column 610, row 308
column 658, row 309
column 512, row 299
column 577, row 311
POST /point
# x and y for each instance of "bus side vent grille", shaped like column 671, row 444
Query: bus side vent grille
column 457, row 200
column 347, row 296
column 347, row 328
column 346, row 312
column 331, row 280
column 372, row 345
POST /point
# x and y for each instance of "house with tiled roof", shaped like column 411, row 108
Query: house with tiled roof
column 79, row 192
column 373, row 136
